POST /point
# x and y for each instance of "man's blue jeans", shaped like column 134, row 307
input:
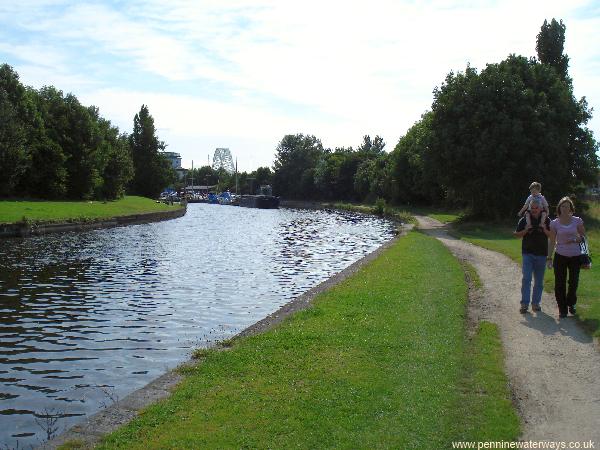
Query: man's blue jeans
column 533, row 265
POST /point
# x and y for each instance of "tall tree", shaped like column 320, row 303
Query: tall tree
column 335, row 172
column 47, row 175
column 51, row 146
column 73, row 128
column 495, row 132
column 118, row 167
column 294, row 167
column 153, row 171
column 372, row 179
column 15, row 110
column 413, row 177
column 550, row 46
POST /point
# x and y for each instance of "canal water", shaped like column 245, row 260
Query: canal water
column 86, row 318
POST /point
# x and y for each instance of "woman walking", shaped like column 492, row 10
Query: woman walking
column 566, row 232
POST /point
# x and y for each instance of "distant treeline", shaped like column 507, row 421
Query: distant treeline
column 488, row 135
column 51, row 146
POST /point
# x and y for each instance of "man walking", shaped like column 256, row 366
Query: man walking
column 534, row 248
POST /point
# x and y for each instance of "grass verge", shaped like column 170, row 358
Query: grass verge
column 482, row 419
column 392, row 212
column 499, row 238
column 47, row 211
column 380, row 361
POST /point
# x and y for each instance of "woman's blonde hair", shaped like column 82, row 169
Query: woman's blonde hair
column 565, row 200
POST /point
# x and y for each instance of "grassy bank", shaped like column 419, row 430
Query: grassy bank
column 48, row 211
column 499, row 238
column 392, row 212
column 380, row 361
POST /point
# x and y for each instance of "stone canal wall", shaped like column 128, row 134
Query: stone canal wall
column 25, row 229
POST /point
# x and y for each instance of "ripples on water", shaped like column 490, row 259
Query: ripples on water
column 86, row 318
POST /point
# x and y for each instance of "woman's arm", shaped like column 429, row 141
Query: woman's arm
column 551, row 244
column 551, row 238
column 581, row 231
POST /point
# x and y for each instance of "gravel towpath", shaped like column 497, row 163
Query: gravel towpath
column 553, row 366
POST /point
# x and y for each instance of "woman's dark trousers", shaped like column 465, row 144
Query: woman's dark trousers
column 562, row 265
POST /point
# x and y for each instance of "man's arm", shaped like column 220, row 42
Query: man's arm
column 546, row 227
column 521, row 231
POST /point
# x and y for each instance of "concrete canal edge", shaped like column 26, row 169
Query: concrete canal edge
column 89, row 432
column 26, row 229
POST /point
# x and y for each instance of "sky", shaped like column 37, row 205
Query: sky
column 242, row 74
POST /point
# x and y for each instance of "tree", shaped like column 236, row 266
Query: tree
column 372, row 179
column 335, row 171
column 47, row 176
column 204, row 175
column 15, row 110
column 73, row 128
column 413, row 177
column 294, row 166
column 262, row 176
column 118, row 170
column 550, row 46
column 373, row 147
column 51, row 146
column 153, row 172
column 495, row 132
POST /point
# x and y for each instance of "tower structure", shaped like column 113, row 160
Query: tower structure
column 222, row 159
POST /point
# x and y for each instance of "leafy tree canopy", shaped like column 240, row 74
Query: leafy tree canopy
column 414, row 179
column 493, row 133
column 550, row 46
column 51, row 146
column 295, row 161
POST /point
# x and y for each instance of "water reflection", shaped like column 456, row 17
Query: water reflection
column 86, row 318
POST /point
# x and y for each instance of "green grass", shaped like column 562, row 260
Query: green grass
column 496, row 237
column 499, row 238
column 403, row 213
column 444, row 215
column 472, row 275
column 485, row 379
column 396, row 213
column 380, row 361
column 47, row 211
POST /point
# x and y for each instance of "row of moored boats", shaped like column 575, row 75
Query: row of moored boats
column 264, row 199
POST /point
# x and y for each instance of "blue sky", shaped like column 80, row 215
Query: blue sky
column 242, row 74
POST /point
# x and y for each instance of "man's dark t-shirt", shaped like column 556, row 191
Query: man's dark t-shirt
column 535, row 242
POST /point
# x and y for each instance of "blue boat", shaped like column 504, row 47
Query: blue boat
column 212, row 198
column 224, row 198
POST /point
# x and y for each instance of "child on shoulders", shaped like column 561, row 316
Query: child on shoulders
column 535, row 189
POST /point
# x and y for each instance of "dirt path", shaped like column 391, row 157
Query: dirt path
column 553, row 365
